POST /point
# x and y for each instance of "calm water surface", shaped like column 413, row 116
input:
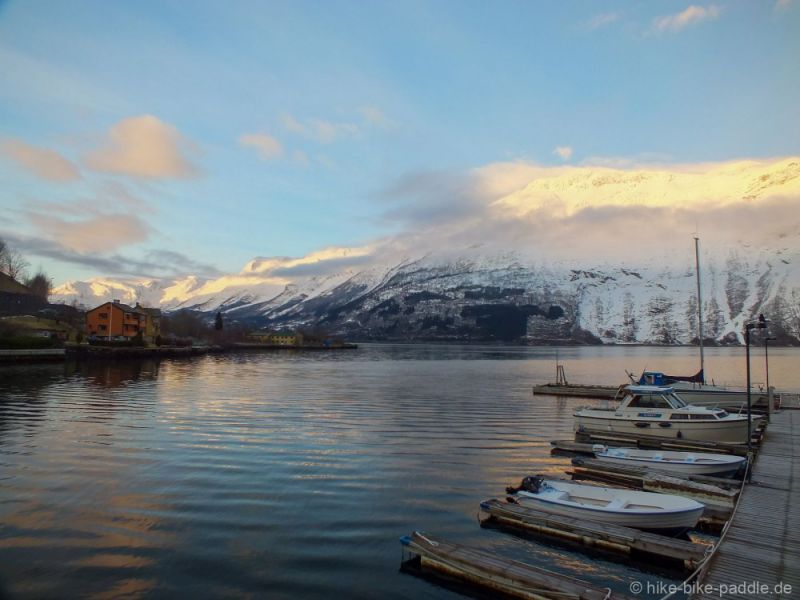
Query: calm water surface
column 289, row 475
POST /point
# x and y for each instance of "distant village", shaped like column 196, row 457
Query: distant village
column 29, row 322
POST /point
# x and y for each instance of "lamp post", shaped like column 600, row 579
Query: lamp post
column 767, row 340
column 760, row 324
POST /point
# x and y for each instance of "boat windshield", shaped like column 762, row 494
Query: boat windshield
column 674, row 400
column 656, row 400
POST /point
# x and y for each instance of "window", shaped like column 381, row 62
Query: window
column 649, row 401
column 103, row 327
column 103, row 315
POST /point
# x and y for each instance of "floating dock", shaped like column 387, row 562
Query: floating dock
column 762, row 544
column 601, row 392
column 32, row 355
column 495, row 574
column 662, row 443
column 614, row 538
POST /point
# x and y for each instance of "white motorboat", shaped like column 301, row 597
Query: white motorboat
column 664, row 513
column 659, row 412
column 692, row 463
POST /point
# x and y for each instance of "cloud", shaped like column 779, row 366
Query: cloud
column 563, row 152
column 44, row 163
column 782, row 4
column 155, row 263
column 145, row 147
column 691, row 16
column 323, row 132
column 431, row 198
column 265, row 145
column 98, row 233
column 601, row 20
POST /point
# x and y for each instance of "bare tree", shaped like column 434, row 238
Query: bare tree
column 11, row 262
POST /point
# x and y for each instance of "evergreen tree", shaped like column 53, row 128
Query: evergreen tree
column 40, row 284
column 218, row 322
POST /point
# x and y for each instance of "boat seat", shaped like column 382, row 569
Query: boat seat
column 558, row 495
column 617, row 503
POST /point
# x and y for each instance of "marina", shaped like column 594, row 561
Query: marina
column 758, row 515
column 160, row 465
column 684, row 473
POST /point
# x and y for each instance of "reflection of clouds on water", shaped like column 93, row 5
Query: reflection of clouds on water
column 290, row 472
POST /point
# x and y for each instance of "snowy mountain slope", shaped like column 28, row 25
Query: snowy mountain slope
column 553, row 254
column 506, row 297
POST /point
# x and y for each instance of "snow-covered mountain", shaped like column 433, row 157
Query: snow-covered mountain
column 583, row 254
column 501, row 296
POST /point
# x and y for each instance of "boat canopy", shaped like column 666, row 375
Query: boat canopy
column 658, row 378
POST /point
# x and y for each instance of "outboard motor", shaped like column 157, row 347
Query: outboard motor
column 529, row 484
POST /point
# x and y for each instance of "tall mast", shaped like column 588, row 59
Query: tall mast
column 699, row 306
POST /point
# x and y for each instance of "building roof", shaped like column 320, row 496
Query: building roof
column 123, row 307
column 153, row 312
column 9, row 284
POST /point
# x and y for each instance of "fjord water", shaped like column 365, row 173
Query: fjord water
column 290, row 474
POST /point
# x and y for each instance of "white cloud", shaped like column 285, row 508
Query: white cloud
column 97, row 233
column 146, row 147
column 601, row 20
column 563, row 152
column 324, row 132
column 265, row 145
column 691, row 16
column 42, row 162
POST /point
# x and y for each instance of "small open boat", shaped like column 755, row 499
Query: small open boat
column 663, row 513
column 693, row 463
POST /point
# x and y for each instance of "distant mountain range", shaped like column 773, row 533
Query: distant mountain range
column 510, row 291
column 478, row 297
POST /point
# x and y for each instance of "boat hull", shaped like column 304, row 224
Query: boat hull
column 732, row 431
column 640, row 510
column 701, row 464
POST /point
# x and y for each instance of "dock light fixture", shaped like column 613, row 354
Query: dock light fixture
column 760, row 324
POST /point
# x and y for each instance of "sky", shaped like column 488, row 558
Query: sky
column 161, row 139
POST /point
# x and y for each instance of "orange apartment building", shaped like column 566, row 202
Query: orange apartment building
column 114, row 319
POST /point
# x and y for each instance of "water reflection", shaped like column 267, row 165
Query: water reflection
column 288, row 475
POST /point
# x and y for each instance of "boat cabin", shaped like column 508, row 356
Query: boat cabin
column 650, row 396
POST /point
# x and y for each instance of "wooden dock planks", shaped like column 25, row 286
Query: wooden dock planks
column 601, row 392
column 660, row 443
column 590, row 533
column 763, row 542
column 497, row 574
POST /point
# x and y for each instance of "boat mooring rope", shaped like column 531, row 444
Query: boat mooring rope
column 708, row 556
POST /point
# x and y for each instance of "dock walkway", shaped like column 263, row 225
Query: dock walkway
column 762, row 546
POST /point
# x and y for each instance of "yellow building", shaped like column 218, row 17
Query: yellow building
column 276, row 339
